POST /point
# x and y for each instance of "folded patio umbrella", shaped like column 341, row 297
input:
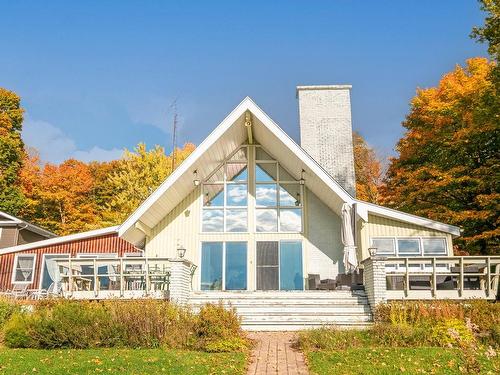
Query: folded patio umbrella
column 350, row 258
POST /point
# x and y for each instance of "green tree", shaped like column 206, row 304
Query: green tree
column 11, row 151
column 136, row 176
column 490, row 32
column 448, row 167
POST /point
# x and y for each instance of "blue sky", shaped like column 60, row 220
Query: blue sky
column 98, row 76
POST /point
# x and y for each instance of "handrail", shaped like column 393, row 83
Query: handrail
column 438, row 273
column 149, row 274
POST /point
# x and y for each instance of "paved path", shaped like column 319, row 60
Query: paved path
column 273, row 354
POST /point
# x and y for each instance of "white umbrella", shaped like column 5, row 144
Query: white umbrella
column 350, row 258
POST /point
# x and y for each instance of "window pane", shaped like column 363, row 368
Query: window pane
column 266, row 220
column 237, row 195
column 290, row 195
column 51, row 271
column 409, row 246
column 291, row 266
column 213, row 195
column 236, row 265
column 385, row 246
column 260, row 154
column 213, row 220
column 236, row 220
column 265, row 195
column 265, row 172
column 24, row 268
column 434, row 246
column 236, row 172
column 291, row 220
column 211, row 266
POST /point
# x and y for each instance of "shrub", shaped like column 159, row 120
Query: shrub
column 451, row 333
column 234, row 344
column 17, row 331
column 141, row 323
column 7, row 308
column 151, row 323
column 214, row 323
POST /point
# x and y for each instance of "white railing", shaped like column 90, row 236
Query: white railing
column 442, row 277
column 126, row 277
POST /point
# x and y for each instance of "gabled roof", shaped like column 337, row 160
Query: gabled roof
column 228, row 136
column 60, row 240
column 12, row 220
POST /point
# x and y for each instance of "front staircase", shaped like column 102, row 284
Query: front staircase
column 293, row 310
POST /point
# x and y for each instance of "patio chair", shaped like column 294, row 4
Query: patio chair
column 19, row 291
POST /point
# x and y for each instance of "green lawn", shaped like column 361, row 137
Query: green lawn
column 393, row 361
column 118, row 361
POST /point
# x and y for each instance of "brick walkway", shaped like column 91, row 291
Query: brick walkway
column 273, row 354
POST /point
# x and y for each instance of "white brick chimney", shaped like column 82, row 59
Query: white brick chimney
column 326, row 130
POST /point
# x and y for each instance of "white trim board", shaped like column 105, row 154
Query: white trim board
column 58, row 240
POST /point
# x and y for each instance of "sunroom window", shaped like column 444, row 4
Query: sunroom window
column 278, row 197
column 225, row 196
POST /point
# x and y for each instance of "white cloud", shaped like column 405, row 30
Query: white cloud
column 54, row 146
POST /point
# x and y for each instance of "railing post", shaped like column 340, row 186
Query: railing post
column 94, row 262
column 461, row 278
column 407, row 277
column 488, row 277
column 70, row 277
column 122, row 279
column 180, row 281
column 375, row 280
column 434, row 278
column 147, row 275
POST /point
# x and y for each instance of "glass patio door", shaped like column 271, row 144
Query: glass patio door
column 224, row 266
column 279, row 265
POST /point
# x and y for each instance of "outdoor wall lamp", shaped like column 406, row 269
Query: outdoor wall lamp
column 181, row 251
column 196, row 181
column 297, row 202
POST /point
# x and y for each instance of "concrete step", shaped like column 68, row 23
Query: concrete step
column 297, row 309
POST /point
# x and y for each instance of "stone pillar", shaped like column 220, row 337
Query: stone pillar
column 180, row 281
column 375, row 280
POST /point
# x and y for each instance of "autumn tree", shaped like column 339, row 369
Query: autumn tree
column 60, row 196
column 448, row 166
column 136, row 176
column 367, row 168
column 11, row 151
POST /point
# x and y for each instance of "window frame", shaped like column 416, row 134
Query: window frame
column 420, row 244
column 225, row 182
column 14, row 269
column 223, row 281
column 278, row 182
column 63, row 255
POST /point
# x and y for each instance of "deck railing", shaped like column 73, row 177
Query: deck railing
column 125, row 277
column 455, row 277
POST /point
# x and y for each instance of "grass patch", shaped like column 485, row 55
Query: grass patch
column 394, row 361
column 119, row 361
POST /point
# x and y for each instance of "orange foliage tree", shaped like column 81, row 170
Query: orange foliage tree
column 448, row 166
column 59, row 196
column 367, row 168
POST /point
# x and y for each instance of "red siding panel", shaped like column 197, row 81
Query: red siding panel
column 109, row 243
